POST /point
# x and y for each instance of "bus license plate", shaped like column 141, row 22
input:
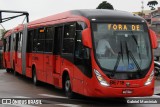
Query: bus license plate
column 127, row 91
column 117, row 83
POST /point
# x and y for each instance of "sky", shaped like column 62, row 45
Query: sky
column 41, row 8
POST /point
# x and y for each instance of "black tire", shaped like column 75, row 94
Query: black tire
column 35, row 81
column 8, row 70
column 68, row 90
column 157, row 71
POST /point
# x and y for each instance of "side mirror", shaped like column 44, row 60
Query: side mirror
column 153, row 39
column 86, row 38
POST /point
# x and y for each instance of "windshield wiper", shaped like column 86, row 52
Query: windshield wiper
column 120, row 54
column 129, row 54
column 134, row 38
column 133, row 58
column 117, row 63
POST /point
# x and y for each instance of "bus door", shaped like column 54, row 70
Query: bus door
column 7, row 54
column 49, row 63
column 4, row 52
column 40, row 55
column 68, row 47
column 16, row 47
column 13, row 43
column 57, row 48
column 19, row 52
column 78, row 61
column 82, row 69
column 11, row 50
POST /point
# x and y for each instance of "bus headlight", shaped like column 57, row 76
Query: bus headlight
column 149, row 80
column 101, row 80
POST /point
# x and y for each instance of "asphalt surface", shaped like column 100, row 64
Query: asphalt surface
column 19, row 88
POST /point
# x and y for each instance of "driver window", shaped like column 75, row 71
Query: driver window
column 82, row 54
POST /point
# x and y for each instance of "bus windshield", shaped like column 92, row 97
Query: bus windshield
column 122, row 47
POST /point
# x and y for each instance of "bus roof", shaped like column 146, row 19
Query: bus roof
column 108, row 15
column 83, row 14
column 16, row 29
column 98, row 14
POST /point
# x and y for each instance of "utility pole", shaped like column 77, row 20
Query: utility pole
column 142, row 7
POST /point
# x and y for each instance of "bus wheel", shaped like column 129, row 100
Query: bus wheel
column 8, row 70
column 35, row 81
column 68, row 89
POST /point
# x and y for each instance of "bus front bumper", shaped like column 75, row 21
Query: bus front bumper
column 123, row 92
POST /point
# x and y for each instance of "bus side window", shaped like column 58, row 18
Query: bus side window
column 5, row 43
column 68, row 38
column 57, row 40
column 20, row 42
column 16, row 45
column 35, row 37
column 29, row 40
column 49, row 39
column 14, row 42
column 9, row 44
column 82, row 54
column 80, row 51
column 41, row 40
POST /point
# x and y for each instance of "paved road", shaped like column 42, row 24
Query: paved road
column 20, row 87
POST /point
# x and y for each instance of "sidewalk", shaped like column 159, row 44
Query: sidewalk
column 157, row 90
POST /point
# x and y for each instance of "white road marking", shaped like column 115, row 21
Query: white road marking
column 68, row 105
column 20, row 105
column 153, row 96
column 20, row 97
column 53, row 96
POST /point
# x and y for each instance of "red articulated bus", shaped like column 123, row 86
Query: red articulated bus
column 96, row 53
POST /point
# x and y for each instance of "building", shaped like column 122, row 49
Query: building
column 153, row 19
column 151, row 16
column 156, row 12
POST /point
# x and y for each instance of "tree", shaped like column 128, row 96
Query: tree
column 105, row 5
column 151, row 4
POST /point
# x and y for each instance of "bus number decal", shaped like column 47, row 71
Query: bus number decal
column 35, row 58
column 114, row 82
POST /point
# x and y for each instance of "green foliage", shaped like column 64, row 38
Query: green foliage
column 105, row 5
column 151, row 4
